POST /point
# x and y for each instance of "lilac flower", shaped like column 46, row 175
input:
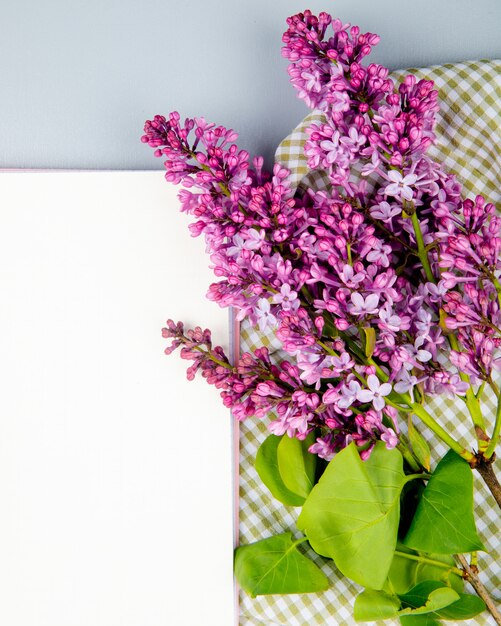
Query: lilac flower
column 339, row 101
column 446, row 383
column 416, row 353
column 349, row 277
column 381, row 254
column 363, row 306
column 312, row 51
column 342, row 363
column 333, row 395
column 237, row 247
column 331, row 147
column 374, row 164
column 313, row 367
column 349, row 393
column 400, row 185
column 436, row 291
column 375, row 392
column 320, row 266
column 406, row 382
column 323, row 448
column 287, row 298
column 311, row 82
column 423, row 322
column 385, row 212
column 254, row 239
column 390, row 438
column 264, row 316
column 290, row 423
column 465, row 363
column 354, row 141
column 390, row 321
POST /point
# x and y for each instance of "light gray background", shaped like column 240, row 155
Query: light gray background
column 79, row 77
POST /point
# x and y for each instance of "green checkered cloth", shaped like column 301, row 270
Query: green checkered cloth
column 469, row 145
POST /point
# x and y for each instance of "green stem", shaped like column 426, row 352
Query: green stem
column 473, row 404
column 471, row 400
column 213, row 358
column 326, row 348
column 480, row 391
column 427, row 419
column 474, row 559
column 423, row 475
column 391, row 401
column 423, row 559
column 423, row 255
column 496, row 284
column 495, row 434
column 382, row 375
column 348, row 250
column 408, row 456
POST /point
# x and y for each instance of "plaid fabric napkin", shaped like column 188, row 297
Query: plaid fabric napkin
column 469, row 126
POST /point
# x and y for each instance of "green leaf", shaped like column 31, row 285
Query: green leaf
column 419, row 620
column 296, row 464
column 465, row 606
column 372, row 605
column 433, row 601
column 427, row 597
column 352, row 513
column 444, row 521
column 419, row 445
column 266, row 465
column 406, row 572
column 274, row 565
column 409, row 500
column 402, row 575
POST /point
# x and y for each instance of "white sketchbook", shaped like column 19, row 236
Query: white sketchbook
column 115, row 472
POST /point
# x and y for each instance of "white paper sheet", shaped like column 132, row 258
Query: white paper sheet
column 115, row 472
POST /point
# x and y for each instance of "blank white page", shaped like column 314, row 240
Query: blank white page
column 115, row 471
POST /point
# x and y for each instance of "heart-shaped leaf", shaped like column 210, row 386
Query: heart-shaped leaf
column 275, row 565
column 352, row 513
column 444, row 521
column 296, row 464
column 266, row 465
column 372, row 605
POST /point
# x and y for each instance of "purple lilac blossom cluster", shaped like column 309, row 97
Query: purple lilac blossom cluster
column 382, row 290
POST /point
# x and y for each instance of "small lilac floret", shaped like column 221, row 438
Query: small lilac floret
column 375, row 392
